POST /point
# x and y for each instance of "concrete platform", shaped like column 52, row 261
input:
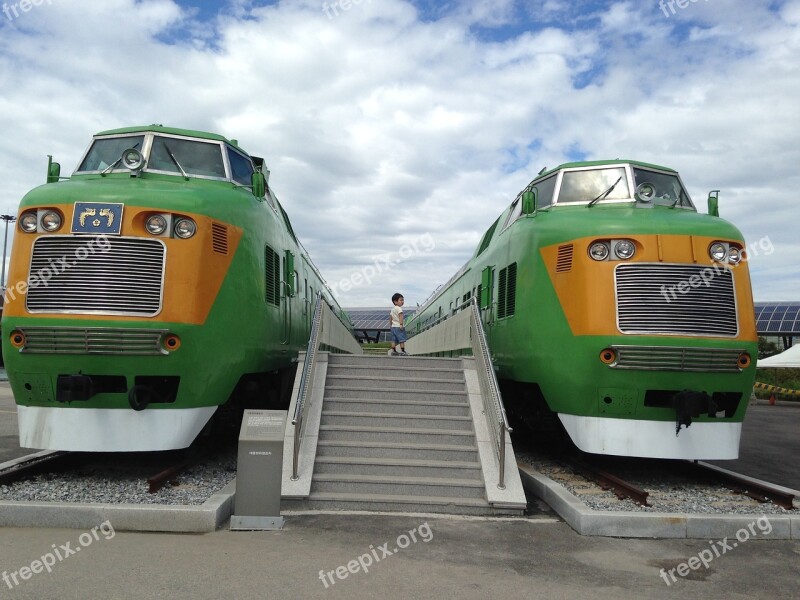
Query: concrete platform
column 587, row 521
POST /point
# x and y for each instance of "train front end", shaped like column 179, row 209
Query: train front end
column 653, row 311
column 115, row 333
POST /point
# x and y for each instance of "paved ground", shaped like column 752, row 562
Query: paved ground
column 462, row 559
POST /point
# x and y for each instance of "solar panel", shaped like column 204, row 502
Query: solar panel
column 778, row 318
column 373, row 319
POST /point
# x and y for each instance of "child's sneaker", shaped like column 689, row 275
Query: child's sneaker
column 404, row 353
column 394, row 353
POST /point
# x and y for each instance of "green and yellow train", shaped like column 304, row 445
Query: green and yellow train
column 612, row 303
column 159, row 282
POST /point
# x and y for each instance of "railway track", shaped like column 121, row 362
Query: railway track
column 761, row 491
column 33, row 465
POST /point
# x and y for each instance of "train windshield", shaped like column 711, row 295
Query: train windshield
column 186, row 157
column 594, row 184
column 668, row 188
column 108, row 151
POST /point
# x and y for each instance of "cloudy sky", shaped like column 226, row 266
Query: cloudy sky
column 397, row 130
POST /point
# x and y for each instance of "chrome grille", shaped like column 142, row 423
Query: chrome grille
column 92, row 340
column 671, row 358
column 94, row 275
column 675, row 299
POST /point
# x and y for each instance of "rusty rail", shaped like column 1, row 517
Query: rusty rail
column 32, row 466
column 761, row 491
column 621, row 488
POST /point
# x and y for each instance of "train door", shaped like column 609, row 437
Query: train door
column 486, row 300
column 288, row 281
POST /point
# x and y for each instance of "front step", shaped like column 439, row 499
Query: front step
column 404, row 362
column 402, row 486
column 395, row 503
column 395, row 371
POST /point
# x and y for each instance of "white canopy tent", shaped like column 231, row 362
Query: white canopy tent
column 790, row 359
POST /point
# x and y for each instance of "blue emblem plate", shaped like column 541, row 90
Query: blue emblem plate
column 97, row 218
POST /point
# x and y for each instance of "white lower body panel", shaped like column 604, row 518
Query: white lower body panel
column 653, row 439
column 110, row 430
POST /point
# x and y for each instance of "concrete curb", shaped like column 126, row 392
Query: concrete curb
column 587, row 521
column 202, row 518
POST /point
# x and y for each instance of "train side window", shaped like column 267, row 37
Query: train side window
column 241, row 167
column 545, row 189
column 513, row 214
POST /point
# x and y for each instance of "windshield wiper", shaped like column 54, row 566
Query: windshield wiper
column 604, row 194
column 177, row 164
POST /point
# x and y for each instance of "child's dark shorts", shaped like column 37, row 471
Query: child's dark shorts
column 398, row 335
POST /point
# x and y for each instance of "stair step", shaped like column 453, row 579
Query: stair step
column 334, row 417
column 409, row 382
column 375, row 405
column 392, row 502
column 397, row 467
column 407, row 362
column 397, row 450
column 361, row 433
column 396, row 393
column 405, row 486
column 392, row 371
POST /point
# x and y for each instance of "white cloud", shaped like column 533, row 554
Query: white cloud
column 385, row 122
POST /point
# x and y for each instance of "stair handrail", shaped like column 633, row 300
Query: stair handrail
column 490, row 390
column 306, row 380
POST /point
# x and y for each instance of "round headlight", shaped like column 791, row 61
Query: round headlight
column 156, row 224
column 624, row 249
column 598, row 251
column 734, row 255
column 717, row 251
column 132, row 159
column 645, row 192
column 185, row 228
column 51, row 221
column 27, row 222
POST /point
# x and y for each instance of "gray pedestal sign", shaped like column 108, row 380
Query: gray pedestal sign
column 257, row 505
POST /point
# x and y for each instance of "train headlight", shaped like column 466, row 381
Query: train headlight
column 624, row 249
column 717, row 251
column 27, row 222
column 132, row 159
column 734, row 255
column 17, row 338
column 599, row 251
column 608, row 356
column 156, row 224
column 185, row 228
column 51, row 221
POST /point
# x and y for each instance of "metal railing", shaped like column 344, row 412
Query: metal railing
column 490, row 391
column 306, row 381
column 454, row 335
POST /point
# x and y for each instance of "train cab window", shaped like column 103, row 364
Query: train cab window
column 594, row 184
column 192, row 157
column 241, row 167
column 545, row 189
column 668, row 188
column 513, row 214
column 105, row 152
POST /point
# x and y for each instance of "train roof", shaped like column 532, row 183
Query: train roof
column 157, row 128
column 597, row 163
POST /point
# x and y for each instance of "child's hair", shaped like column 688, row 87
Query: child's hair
column 396, row 297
